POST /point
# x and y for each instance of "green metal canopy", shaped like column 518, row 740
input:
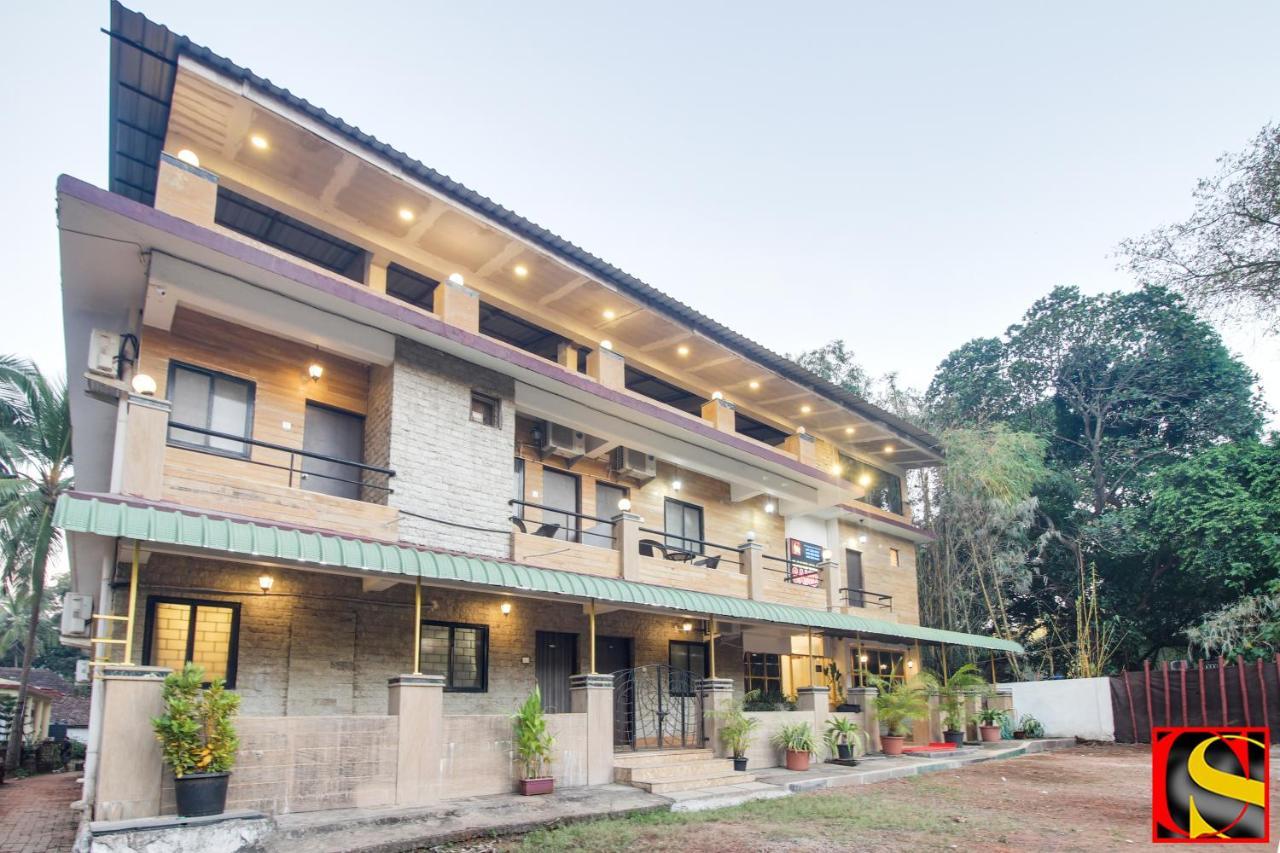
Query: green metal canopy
column 187, row 528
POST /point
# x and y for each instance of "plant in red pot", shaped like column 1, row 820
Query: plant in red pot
column 989, row 722
column 897, row 704
column 533, row 746
column 198, row 740
column 798, row 741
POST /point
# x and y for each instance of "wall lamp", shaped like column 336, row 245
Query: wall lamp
column 265, row 582
column 315, row 371
column 506, row 608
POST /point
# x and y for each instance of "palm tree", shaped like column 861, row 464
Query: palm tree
column 35, row 468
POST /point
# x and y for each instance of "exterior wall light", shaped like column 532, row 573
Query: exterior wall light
column 186, row 155
column 800, row 430
column 687, row 627
column 826, row 555
column 456, row 278
column 265, row 582
column 716, row 395
column 624, row 505
column 143, row 384
column 862, row 658
column 506, row 608
column 862, row 538
column 770, row 507
column 751, row 536
column 606, row 345
column 676, row 485
column 315, row 371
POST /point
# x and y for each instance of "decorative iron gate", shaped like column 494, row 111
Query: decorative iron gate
column 658, row 707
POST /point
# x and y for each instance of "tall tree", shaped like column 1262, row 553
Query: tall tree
column 835, row 363
column 35, row 466
column 1226, row 256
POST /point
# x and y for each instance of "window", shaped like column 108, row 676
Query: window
column 211, row 401
column 600, row 533
column 882, row 662
column 688, row 665
column 458, row 652
column 894, row 557
column 683, row 525
column 283, row 232
column 561, row 491
column 205, row 633
column 762, row 671
column 484, row 409
column 882, row 489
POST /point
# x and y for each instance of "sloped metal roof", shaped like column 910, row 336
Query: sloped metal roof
column 143, row 63
column 147, row 522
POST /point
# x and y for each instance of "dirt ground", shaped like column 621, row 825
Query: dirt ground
column 1090, row 797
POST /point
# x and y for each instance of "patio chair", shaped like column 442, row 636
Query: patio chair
column 708, row 562
column 649, row 546
column 547, row 530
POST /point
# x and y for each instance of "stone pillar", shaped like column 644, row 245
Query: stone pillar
column 1003, row 699
column 626, row 538
column 721, row 414
column 146, row 431
column 832, row 582
column 803, row 447
column 186, row 191
column 418, row 700
column 457, row 305
column 751, row 555
column 934, row 718
column 567, row 356
column 376, row 276
column 131, row 765
column 717, row 695
column 607, row 367
column 593, row 695
column 865, row 697
column 817, row 701
column 972, row 705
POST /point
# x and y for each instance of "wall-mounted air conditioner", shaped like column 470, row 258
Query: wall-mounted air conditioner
column 560, row 440
column 77, row 612
column 104, row 347
column 633, row 463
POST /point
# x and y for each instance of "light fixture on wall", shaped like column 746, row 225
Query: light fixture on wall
column 864, row 480
column 265, row 582
column 144, row 385
column 716, row 395
column 606, row 344
column 315, row 370
column 624, row 505
column 862, row 658
column 186, row 155
column 751, row 536
column 770, row 507
column 911, row 664
column 505, row 608
column 686, row 627
column 456, row 278
column 676, row 485
column 801, row 430
column 826, row 555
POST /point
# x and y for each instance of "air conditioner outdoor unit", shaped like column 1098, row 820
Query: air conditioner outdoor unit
column 77, row 612
column 103, row 349
column 560, row 440
column 633, row 463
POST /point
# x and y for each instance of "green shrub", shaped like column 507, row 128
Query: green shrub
column 196, row 732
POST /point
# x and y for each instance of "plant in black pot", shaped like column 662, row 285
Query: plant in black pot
column 736, row 728
column 198, row 740
column 845, row 739
column 951, row 697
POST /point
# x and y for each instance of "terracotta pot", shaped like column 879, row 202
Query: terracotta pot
column 541, row 785
column 797, row 760
column 953, row 737
column 990, row 734
column 892, row 744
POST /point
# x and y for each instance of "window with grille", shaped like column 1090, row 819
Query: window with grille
column 458, row 652
column 205, row 633
column 762, row 671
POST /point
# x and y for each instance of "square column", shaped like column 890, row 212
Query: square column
column 817, row 701
column 803, row 447
column 717, row 695
column 607, row 367
column 418, row 700
column 186, row 191
column 865, row 697
column 593, row 695
column 830, row 570
column 626, row 538
column 751, row 555
column 457, row 305
column 721, row 414
column 146, row 432
column 130, row 762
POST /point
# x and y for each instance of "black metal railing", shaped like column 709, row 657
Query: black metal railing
column 657, row 707
column 793, row 571
column 565, row 525
column 867, row 598
column 686, row 549
column 294, row 466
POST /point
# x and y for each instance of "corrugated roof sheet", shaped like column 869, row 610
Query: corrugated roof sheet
column 142, row 57
column 113, row 517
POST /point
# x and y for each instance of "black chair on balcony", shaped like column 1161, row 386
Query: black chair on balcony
column 708, row 562
column 652, row 548
column 547, row 530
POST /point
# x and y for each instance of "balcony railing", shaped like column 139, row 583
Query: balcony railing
column 297, row 458
column 866, row 598
column 562, row 524
column 793, row 571
column 686, row 549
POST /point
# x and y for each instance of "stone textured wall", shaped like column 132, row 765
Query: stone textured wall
column 448, row 466
column 478, row 759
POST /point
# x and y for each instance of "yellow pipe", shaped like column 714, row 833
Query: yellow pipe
column 417, row 627
column 810, row 655
column 133, row 606
column 712, row 645
column 591, row 613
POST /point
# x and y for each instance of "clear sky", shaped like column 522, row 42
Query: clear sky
column 905, row 176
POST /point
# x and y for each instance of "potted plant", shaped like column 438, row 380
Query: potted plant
column 952, row 692
column 897, row 704
column 798, row 742
column 1028, row 727
column 735, row 730
column 198, row 740
column 845, row 738
column 533, row 746
column 989, row 722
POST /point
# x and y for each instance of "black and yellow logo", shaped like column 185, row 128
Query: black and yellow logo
column 1210, row 785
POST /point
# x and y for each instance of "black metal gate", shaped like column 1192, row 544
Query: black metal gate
column 663, row 708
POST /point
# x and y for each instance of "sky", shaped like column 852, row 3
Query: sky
column 903, row 176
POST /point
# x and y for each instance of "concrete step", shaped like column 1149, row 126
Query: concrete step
column 700, row 768
column 664, row 756
column 695, row 784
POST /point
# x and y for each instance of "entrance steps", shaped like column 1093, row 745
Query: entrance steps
column 667, row 771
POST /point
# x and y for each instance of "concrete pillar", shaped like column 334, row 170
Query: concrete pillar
column 817, row 701
column 833, row 582
column 418, row 700
column 376, row 276
column 626, row 538
column 607, row 367
column 803, row 447
column 721, row 414
column 751, row 556
column 934, row 718
column 717, row 695
column 593, row 695
column 1002, row 699
column 146, row 432
column 972, row 705
column 186, row 191
column 131, row 765
column 567, row 356
column 457, row 305
column 865, row 697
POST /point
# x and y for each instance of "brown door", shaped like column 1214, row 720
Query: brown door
column 853, row 578
column 555, row 659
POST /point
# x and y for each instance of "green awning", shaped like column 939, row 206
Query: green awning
column 188, row 528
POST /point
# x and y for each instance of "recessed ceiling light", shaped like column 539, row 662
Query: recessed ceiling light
column 259, row 141
column 864, row 480
column 521, row 270
column 186, row 155
column 888, row 448
column 837, row 469
column 753, row 385
column 682, row 350
column 848, row 430
column 804, row 410
column 406, row 214
column 609, row 313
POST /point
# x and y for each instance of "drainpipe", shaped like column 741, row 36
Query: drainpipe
column 97, row 693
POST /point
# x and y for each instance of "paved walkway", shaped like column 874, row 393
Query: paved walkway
column 36, row 815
